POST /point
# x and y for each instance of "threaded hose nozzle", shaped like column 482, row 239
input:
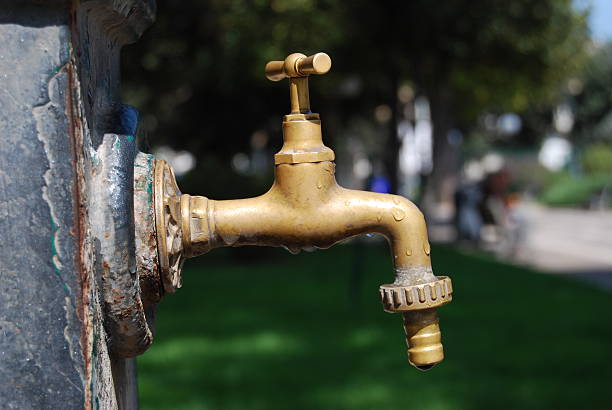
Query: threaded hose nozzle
column 423, row 338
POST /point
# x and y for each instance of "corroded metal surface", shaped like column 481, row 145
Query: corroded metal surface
column 59, row 64
column 42, row 361
column 147, row 262
column 169, row 227
column 99, row 380
column 113, row 229
column 103, row 27
column 99, row 29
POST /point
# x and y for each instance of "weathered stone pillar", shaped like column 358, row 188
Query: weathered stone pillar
column 59, row 102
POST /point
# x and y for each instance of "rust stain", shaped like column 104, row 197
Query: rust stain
column 80, row 230
column 146, row 239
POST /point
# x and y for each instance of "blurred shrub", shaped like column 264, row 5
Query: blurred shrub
column 597, row 159
column 567, row 190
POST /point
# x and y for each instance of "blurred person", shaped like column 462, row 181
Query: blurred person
column 503, row 225
column 468, row 198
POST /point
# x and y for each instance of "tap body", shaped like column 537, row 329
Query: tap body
column 306, row 208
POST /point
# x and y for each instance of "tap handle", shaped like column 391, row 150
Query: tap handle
column 298, row 65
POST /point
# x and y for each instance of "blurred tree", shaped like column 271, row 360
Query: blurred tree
column 198, row 73
column 466, row 56
column 593, row 98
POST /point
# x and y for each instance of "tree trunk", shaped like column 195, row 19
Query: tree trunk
column 438, row 198
column 393, row 143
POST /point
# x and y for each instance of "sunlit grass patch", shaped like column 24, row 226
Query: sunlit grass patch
column 291, row 335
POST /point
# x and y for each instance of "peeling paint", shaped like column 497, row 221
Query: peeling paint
column 146, row 239
column 53, row 346
column 53, row 104
column 40, row 326
column 97, row 374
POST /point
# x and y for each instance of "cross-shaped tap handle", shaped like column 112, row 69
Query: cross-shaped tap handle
column 297, row 67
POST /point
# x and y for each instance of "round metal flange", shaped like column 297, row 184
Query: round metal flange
column 168, row 226
column 118, row 180
column 403, row 298
column 147, row 260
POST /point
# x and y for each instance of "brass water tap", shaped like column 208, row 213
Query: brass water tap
column 306, row 208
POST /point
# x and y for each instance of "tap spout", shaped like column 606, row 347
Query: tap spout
column 306, row 208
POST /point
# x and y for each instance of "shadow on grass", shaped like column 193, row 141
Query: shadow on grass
column 281, row 334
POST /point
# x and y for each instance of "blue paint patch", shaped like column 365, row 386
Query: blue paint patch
column 127, row 118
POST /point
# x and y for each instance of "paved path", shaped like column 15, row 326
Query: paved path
column 568, row 241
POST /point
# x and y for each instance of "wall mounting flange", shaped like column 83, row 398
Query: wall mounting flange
column 168, row 226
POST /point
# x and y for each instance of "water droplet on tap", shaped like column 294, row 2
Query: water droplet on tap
column 319, row 184
column 369, row 235
column 408, row 252
column 427, row 248
column 398, row 214
column 294, row 250
column 396, row 200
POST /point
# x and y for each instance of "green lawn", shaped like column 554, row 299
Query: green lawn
column 282, row 333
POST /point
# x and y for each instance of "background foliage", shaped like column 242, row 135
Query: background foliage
column 198, row 73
